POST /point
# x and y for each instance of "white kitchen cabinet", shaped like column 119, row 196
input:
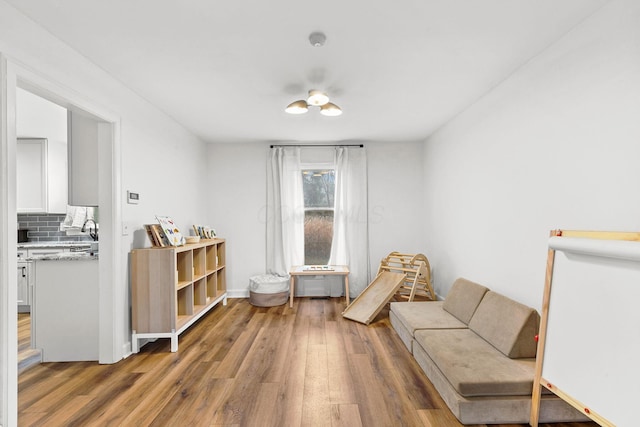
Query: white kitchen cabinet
column 82, row 152
column 24, row 287
column 41, row 176
column 37, row 117
column 31, row 175
column 65, row 309
column 25, row 275
column 57, row 185
column 25, row 291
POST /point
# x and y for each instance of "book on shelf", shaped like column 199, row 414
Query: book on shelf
column 161, row 236
column 171, row 231
column 156, row 235
column 151, row 235
column 204, row 231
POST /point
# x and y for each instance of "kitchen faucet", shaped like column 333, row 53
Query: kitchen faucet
column 94, row 233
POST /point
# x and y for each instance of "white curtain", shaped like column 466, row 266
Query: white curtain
column 285, row 211
column 350, row 245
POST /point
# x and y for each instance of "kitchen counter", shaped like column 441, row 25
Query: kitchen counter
column 65, row 256
column 56, row 251
column 54, row 245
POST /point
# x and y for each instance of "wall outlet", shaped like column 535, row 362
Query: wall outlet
column 125, row 229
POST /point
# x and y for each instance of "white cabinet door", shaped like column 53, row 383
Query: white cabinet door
column 82, row 150
column 65, row 314
column 31, row 174
column 37, row 117
column 57, row 177
column 23, row 284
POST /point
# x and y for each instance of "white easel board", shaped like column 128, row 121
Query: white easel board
column 589, row 349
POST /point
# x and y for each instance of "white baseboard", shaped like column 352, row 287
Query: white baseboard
column 126, row 350
column 237, row 293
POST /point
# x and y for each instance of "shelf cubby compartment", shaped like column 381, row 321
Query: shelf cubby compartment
column 184, row 265
column 221, row 286
column 185, row 301
column 212, row 285
column 200, row 293
column 212, row 258
column 199, row 262
column 221, row 259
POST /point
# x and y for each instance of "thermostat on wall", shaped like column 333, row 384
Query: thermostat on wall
column 133, row 198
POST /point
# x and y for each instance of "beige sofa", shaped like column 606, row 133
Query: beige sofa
column 478, row 349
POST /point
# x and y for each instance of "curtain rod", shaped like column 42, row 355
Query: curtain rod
column 318, row 145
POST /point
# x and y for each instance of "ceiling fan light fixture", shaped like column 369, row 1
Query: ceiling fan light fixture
column 297, row 107
column 317, row 98
column 330, row 109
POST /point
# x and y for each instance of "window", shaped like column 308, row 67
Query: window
column 318, row 187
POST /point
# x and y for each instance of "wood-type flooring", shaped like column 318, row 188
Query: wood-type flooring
column 24, row 332
column 27, row 356
column 247, row 366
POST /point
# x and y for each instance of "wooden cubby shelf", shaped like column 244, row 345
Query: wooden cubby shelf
column 172, row 287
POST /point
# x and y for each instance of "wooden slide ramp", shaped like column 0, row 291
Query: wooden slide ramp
column 368, row 304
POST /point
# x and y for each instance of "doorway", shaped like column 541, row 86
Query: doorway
column 111, row 318
column 50, row 218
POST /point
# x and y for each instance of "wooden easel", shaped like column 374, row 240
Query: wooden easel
column 417, row 272
column 540, row 379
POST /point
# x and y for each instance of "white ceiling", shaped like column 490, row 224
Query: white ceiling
column 227, row 69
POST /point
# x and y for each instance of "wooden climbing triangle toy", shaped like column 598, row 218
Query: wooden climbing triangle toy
column 400, row 275
column 418, row 275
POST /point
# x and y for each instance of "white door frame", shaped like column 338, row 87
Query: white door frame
column 112, row 292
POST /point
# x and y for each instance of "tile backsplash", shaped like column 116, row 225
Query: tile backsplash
column 46, row 228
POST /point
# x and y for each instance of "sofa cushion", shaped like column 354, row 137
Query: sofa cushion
column 473, row 366
column 424, row 315
column 509, row 326
column 463, row 299
column 404, row 334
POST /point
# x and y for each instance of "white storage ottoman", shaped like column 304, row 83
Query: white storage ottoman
column 268, row 290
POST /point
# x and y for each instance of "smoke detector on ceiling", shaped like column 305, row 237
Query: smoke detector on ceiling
column 317, row 39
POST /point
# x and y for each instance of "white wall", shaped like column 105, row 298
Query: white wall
column 237, row 196
column 396, row 200
column 237, row 201
column 159, row 158
column 554, row 146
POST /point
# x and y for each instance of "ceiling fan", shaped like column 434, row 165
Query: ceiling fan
column 316, row 98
